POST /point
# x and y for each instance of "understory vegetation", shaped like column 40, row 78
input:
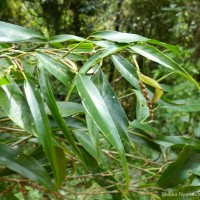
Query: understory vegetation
column 105, row 111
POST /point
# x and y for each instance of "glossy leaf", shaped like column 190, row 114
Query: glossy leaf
column 12, row 33
column 15, row 105
column 82, row 48
column 127, row 70
column 114, row 107
column 50, row 100
column 155, row 55
column 116, row 36
column 24, row 165
column 182, row 168
column 60, row 71
column 97, row 109
column 63, row 38
column 40, row 119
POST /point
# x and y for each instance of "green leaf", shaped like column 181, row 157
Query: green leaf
column 60, row 71
column 144, row 140
column 67, row 109
column 87, row 144
column 63, row 38
column 144, row 126
column 114, row 107
column 170, row 47
column 93, row 132
column 155, row 55
column 82, row 48
column 116, row 36
column 40, row 119
column 182, row 168
column 142, row 110
column 97, row 109
column 24, row 165
column 76, row 57
column 189, row 106
column 4, row 80
column 50, row 100
column 179, row 141
column 127, row 70
column 91, row 62
column 16, row 107
column 13, row 33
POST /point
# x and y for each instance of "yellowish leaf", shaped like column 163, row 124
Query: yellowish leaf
column 153, row 83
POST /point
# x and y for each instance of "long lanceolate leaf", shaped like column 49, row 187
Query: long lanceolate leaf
column 14, row 33
column 116, row 111
column 97, row 109
column 24, row 165
column 43, row 130
column 127, row 70
column 61, row 72
column 50, row 100
column 155, row 55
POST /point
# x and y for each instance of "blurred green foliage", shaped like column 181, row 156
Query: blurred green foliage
column 174, row 22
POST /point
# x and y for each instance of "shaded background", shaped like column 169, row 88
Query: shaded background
column 174, row 22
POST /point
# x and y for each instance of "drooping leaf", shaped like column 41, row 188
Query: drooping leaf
column 13, row 33
column 50, row 100
column 24, row 165
column 15, row 105
column 114, row 107
column 97, row 109
column 60, row 71
column 155, row 55
column 54, row 155
column 116, row 36
column 153, row 83
column 182, row 168
column 126, row 69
